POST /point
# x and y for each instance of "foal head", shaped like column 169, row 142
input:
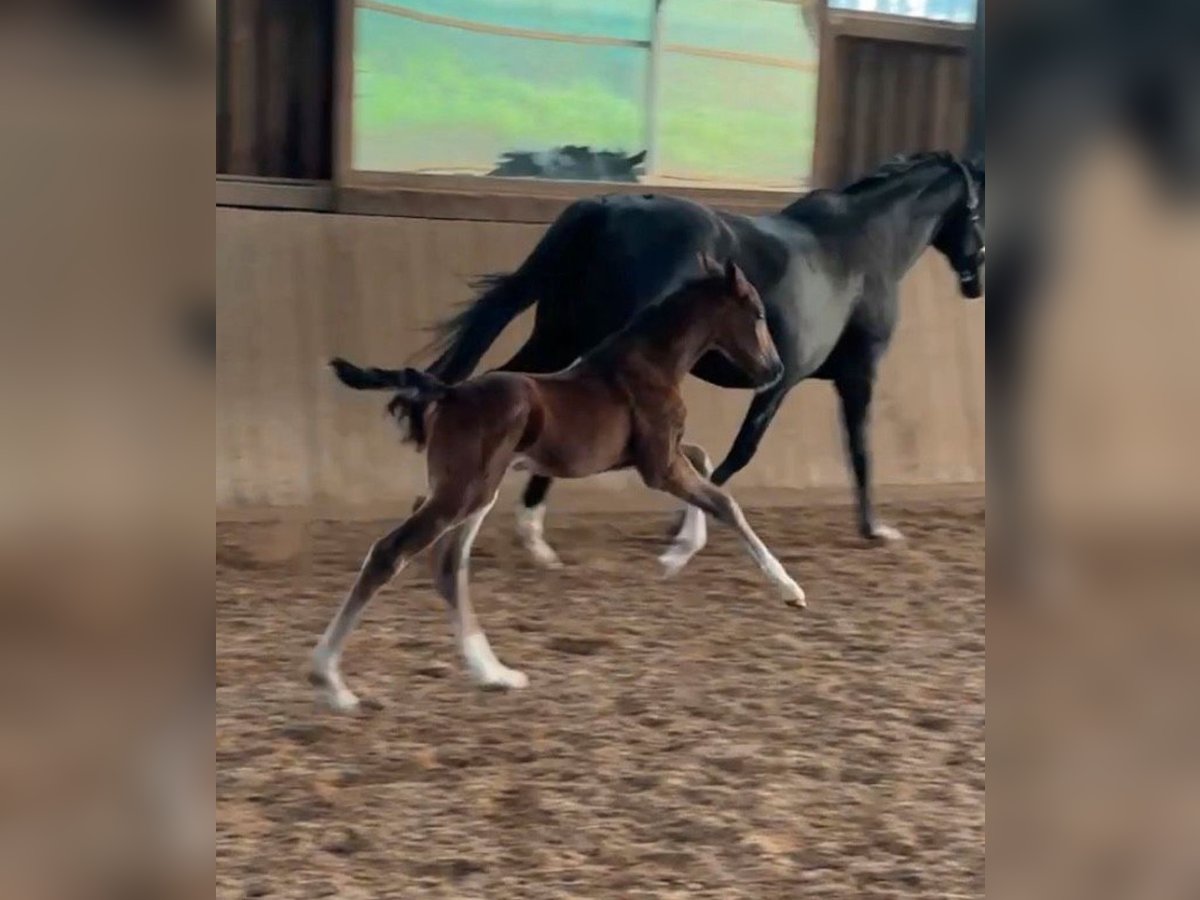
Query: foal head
column 739, row 322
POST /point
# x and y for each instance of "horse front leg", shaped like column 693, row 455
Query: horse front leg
column 763, row 409
column 855, row 395
column 683, row 481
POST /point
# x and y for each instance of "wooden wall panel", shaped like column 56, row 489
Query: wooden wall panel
column 275, row 88
column 888, row 86
column 295, row 288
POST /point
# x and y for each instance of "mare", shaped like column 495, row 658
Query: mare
column 828, row 268
column 617, row 407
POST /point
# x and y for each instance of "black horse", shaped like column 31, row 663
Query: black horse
column 828, row 268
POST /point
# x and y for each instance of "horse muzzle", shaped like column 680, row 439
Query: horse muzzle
column 970, row 284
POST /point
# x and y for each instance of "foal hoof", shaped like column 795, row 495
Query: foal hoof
column 884, row 534
column 505, row 680
column 673, row 560
column 793, row 594
column 543, row 554
column 337, row 697
column 342, row 701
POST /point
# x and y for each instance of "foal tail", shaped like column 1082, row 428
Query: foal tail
column 559, row 256
column 411, row 384
column 414, row 391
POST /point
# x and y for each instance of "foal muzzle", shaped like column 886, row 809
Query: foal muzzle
column 774, row 372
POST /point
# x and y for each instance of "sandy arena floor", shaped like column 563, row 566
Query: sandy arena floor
column 685, row 738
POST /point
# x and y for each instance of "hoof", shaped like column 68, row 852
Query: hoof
column 342, row 701
column 506, row 680
column 544, row 556
column 336, row 696
column 884, row 534
column 793, row 595
column 673, row 560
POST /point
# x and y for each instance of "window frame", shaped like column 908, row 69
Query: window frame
column 490, row 197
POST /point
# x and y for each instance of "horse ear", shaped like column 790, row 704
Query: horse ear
column 708, row 265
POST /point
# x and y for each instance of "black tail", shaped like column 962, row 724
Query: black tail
column 465, row 337
column 409, row 384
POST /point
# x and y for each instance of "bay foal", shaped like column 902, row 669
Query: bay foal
column 617, row 407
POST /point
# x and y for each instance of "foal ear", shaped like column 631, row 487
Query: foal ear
column 708, row 265
column 733, row 276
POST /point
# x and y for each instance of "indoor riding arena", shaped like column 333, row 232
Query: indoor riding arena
column 683, row 737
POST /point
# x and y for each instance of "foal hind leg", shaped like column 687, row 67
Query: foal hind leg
column 683, row 481
column 693, row 531
column 538, row 355
column 451, row 558
column 387, row 556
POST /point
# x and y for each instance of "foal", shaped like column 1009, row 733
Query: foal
column 617, row 407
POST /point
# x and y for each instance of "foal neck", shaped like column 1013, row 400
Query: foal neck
column 667, row 338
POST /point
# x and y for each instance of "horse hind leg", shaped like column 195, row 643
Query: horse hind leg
column 693, row 529
column 451, row 563
column 531, row 519
column 387, row 557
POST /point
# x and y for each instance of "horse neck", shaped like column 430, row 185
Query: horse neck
column 903, row 214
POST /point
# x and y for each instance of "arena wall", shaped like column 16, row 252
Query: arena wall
column 294, row 288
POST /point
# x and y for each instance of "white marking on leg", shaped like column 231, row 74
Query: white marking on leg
column 327, row 655
column 791, row 592
column 692, row 537
column 481, row 662
column 485, row 668
column 882, row 532
column 530, row 528
column 472, row 531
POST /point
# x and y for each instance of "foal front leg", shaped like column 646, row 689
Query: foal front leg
column 683, row 481
column 531, row 518
column 451, row 563
column 387, row 557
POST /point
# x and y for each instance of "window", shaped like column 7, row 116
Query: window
column 941, row 10
column 706, row 92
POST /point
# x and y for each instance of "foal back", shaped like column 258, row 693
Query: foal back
column 568, row 425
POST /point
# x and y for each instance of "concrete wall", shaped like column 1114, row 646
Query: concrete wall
column 295, row 288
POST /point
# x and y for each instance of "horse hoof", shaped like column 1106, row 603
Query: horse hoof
column 342, row 700
column 506, row 680
column 544, row 556
column 793, row 595
column 337, row 696
column 885, row 534
column 673, row 561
